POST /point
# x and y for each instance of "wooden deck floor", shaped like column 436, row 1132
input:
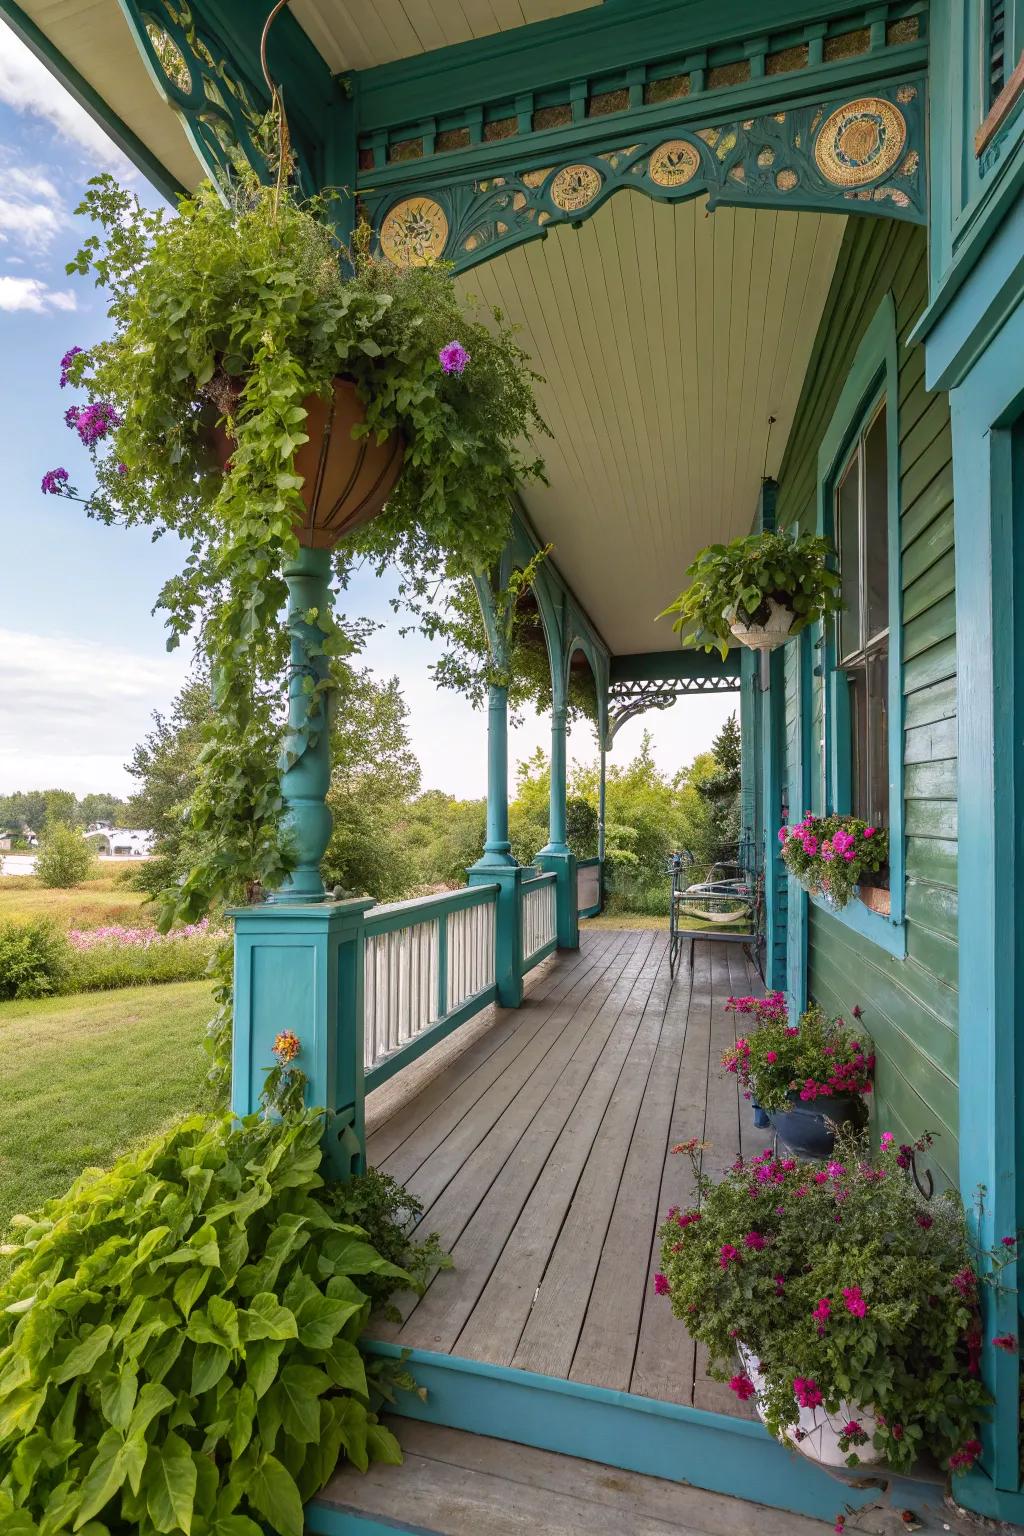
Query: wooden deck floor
column 542, row 1156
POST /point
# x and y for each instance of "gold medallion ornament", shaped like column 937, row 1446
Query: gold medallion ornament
column 673, row 164
column 574, row 187
column 860, row 142
column 414, row 232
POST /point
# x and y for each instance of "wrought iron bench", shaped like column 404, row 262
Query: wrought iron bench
column 727, row 907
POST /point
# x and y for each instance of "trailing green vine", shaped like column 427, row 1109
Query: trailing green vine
column 236, row 311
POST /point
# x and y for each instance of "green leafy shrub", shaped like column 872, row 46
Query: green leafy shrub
column 846, row 1287
column 64, row 858
column 178, row 1342
column 113, row 965
column 738, row 580
column 34, row 959
column 387, row 1212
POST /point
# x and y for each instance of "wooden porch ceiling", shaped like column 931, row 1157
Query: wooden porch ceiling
column 358, row 34
column 541, row 1153
column 666, row 339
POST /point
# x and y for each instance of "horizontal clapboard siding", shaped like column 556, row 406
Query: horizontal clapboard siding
column 909, row 1005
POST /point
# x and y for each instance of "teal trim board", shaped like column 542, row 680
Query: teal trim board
column 321, row 1520
column 638, row 1434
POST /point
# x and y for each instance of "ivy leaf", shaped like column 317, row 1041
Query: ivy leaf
column 382, row 1445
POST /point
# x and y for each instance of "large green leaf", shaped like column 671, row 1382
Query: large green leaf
column 170, row 1485
column 273, row 1493
column 106, row 1473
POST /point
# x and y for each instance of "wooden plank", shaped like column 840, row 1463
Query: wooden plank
column 919, row 438
column 931, row 780
column 928, row 504
column 932, row 666
column 938, row 623
column 930, row 743
column 931, row 818
column 607, row 1343
column 937, row 701
column 930, row 859
column 935, row 461
column 537, row 1026
column 933, row 542
column 663, row 1366
column 387, row 1131
column 549, row 1339
column 465, row 1484
column 483, row 1201
column 932, row 906
column 458, row 1125
column 496, row 1324
column 936, row 583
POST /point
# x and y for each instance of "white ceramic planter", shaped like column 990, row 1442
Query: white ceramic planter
column 819, row 1434
column 768, row 636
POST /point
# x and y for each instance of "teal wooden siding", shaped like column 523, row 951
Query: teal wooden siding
column 910, row 1005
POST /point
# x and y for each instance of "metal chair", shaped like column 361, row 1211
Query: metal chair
column 725, row 908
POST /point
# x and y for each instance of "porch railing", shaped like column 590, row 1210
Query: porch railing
column 539, row 930
column 429, row 965
column 588, row 887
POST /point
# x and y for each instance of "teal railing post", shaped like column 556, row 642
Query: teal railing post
column 557, row 856
column 299, row 956
column 602, row 799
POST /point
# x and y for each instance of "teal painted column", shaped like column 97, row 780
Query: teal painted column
column 556, row 856
column 776, row 876
column 497, row 848
column 306, row 760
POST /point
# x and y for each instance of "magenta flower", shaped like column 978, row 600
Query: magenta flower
column 122, row 469
column 742, row 1386
column 754, row 1240
column 93, row 421
column 924, row 1220
column 65, row 364
column 783, row 834
column 806, row 1392
column 836, row 1170
column 1007, row 1342
column 771, row 1057
column 852, row 1430
column 887, row 1138
column 71, row 415
column 855, row 1303
column 966, row 1456
column 453, row 358
column 869, row 831
column 822, row 1311
column 1008, row 1242
column 661, row 1285
column 54, row 482
column 728, row 1255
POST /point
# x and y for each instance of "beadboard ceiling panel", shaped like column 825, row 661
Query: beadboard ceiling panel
column 357, row 34
column 94, row 37
column 666, row 339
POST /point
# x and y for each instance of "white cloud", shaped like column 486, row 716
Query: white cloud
column 33, row 294
column 74, row 710
column 33, row 225
column 27, row 86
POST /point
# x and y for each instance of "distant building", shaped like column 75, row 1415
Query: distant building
column 118, row 843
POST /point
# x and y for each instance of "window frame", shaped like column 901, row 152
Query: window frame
column 873, row 376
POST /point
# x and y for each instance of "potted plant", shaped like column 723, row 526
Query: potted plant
column 265, row 386
column 763, row 1010
column 808, row 1077
column 760, row 590
column 831, row 856
column 853, row 1303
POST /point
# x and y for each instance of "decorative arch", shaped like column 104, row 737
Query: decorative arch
column 846, row 153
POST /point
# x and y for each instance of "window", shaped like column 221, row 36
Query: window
column 861, row 517
column 856, row 658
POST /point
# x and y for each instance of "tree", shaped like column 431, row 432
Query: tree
column 100, row 807
column 60, row 808
column 65, row 858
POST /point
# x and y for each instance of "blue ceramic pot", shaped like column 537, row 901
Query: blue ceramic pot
column 761, row 1120
column 804, row 1129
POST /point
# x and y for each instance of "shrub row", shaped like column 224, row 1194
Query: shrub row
column 38, row 960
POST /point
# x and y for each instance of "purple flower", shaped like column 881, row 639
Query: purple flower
column 71, row 416
column 660, row 1285
column 54, row 482
column 65, row 364
column 94, row 421
column 122, row 469
column 454, row 357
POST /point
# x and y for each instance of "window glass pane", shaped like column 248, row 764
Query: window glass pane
column 876, row 754
column 876, row 529
column 848, row 542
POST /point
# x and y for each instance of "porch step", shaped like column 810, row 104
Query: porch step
column 457, row 1484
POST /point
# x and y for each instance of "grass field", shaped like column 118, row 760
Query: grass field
column 90, row 905
column 87, row 1077
column 626, row 920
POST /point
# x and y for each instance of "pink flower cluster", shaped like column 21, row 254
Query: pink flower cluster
column 807, row 1392
column 140, row 938
column 770, row 1009
column 846, row 1079
column 742, row 1386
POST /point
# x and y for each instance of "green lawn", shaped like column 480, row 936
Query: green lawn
column 87, row 1077
column 625, row 920
column 93, row 904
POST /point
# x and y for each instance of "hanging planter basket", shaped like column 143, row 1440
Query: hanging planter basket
column 816, row 1434
column 346, row 480
column 771, row 634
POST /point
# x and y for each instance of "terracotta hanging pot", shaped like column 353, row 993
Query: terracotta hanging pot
column 769, row 635
column 346, row 480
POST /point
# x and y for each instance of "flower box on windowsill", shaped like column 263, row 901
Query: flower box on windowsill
column 877, row 898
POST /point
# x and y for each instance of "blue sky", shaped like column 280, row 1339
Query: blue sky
column 82, row 657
